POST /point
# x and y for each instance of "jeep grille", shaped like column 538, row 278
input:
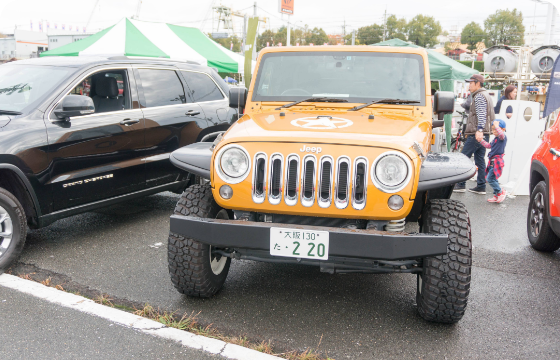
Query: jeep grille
column 308, row 181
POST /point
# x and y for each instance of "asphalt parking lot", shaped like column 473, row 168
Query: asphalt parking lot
column 512, row 312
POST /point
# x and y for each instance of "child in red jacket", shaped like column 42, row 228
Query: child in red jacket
column 496, row 159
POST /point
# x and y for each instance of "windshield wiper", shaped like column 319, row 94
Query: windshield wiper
column 9, row 112
column 388, row 101
column 318, row 99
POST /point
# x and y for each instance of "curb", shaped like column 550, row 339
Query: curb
column 147, row 326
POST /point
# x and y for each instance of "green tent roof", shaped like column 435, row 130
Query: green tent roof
column 131, row 37
column 441, row 67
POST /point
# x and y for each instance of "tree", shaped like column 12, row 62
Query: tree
column 396, row 28
column 266, row 37
column 317, row 36
column 226, row 42
column 505, row 27
column 472, row 34
column 450, row 46
column 423, row 30
column 371, row 34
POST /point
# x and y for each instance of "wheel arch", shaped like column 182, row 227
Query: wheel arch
column 14, row 180
column 539, row 173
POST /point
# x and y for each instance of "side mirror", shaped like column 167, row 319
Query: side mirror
column 237, row 97
column 74, row 105
column 444, row 103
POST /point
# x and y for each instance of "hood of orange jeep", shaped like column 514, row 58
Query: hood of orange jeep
column 388, row 128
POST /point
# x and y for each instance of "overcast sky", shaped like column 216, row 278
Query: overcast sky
column 331, row 15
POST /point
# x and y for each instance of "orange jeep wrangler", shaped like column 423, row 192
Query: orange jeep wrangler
column 329, row 162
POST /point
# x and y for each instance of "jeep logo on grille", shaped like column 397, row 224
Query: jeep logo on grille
column 321, row 123
column 316, row 150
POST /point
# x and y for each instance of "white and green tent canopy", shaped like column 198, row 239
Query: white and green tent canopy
column 131, row 37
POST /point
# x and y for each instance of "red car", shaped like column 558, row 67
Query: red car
column 543, row 215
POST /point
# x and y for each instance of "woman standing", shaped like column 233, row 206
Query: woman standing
column 509, row 94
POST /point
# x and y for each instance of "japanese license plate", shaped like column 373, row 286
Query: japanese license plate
column 305, row 244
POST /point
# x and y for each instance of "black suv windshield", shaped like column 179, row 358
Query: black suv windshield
column 23, row 86
column 357, row 77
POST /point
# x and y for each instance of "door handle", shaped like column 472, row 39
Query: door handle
column 555, row 152
column 192, row 113
column 128, row 122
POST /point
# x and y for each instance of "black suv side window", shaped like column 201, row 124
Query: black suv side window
column 108, row 90
column 161, row 87
column 202, row 87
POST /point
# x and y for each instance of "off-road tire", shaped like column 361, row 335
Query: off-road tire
column 18, row 229
column 189, row 260
column 546, row 239
column 444, row 285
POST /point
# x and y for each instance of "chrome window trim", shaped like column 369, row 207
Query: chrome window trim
column 220, row 172
column 167, row 106
column 320, row 202
column 385, row 188
column 360, row 205
column 211, row 78
column 289, row 200
column 259, row 199
column 342, row 204
column 82, row 78
column 275, row 200
column 308, row 202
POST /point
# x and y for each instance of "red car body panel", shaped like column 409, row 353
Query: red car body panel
column 551, row 140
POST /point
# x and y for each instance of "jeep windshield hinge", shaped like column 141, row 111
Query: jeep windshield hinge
column 419, row 150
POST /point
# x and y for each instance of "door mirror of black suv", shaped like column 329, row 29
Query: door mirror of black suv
column 444, row 103
column 237, row 97
column 74, row 105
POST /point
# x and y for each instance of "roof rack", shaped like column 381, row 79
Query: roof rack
column 120, row 57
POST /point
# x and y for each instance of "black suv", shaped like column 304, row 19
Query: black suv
column 78, row 133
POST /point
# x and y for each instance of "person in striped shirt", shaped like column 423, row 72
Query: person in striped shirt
column 479, row 122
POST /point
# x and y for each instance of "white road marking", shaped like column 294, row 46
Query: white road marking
column 124, row 318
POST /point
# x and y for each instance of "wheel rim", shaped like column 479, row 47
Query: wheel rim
column 537, row 214
column 218, row 262
column 6, row 231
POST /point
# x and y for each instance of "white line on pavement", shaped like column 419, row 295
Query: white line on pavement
column 144, row 325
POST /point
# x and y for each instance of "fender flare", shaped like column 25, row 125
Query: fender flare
column 27, row 185
column 194, row 158
column 444, row 169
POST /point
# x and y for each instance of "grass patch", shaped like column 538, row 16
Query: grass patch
column 104, row 299
column 189, row 322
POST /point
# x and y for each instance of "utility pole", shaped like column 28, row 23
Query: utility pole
column 289, row 31
column 354, row 37
column 549, row 29
column 245, row 19
column 344, row 28
column 385, row 24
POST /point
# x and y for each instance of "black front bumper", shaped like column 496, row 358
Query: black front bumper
column 363, row 244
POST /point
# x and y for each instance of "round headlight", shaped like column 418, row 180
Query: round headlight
column 234, row 162
column 391, row 170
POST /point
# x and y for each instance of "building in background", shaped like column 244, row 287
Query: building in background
column 23, row 44
column 58, row 39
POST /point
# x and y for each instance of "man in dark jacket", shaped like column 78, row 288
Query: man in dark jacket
column 479, row 124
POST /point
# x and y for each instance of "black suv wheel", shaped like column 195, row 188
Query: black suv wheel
column 540, row 233
column 444, row 285
column 194, row 269
column 13, row 228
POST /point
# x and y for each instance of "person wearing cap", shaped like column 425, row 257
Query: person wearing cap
column 496, row 159
column 479, row 122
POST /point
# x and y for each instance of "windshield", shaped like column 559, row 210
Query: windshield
column 358, row 77
column 23, row 86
